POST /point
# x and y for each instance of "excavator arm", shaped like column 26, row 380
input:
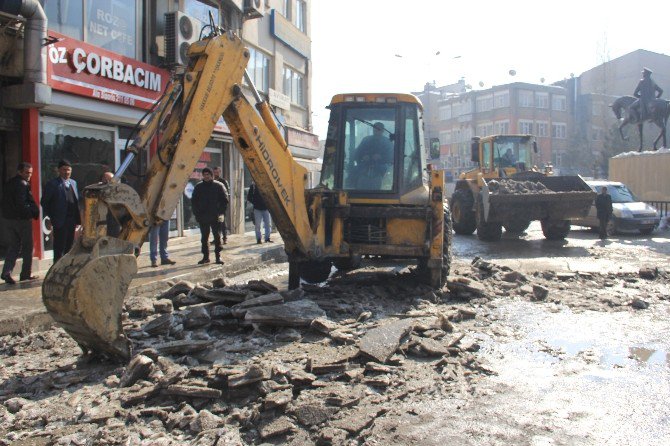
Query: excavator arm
column 85, row 289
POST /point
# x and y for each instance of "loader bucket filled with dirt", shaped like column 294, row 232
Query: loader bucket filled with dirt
column 543, row 198
column 84, row 293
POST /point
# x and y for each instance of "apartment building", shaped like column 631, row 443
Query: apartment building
column 456, row 117
column 108, row 61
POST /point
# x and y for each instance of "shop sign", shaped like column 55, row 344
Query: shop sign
column 302, row 139
column 285, row 31
column 279, row 99
column 79, row 68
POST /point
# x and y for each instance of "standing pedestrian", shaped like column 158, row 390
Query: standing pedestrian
column 226, row 185
column 209, row 203
column 60, row 202
column 603, row 211
column 159, row 235
column 19, row 207
column 261, row 213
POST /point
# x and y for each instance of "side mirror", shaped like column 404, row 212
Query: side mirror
column 474, row 151
column 535, row 146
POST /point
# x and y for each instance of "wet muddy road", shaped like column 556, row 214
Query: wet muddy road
column 532, row 343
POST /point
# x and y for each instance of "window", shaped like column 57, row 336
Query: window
column 412, row 156
column 501, row 99
column 558, row 130
column 485, row 129
column 466, row 107
column 456, row 110
column 541, row 100
column 293, row 86
column 525, row 127
column 285, row 8
column 542, row 128
column 199, row 10
column 259, row 69
column 525, row 98
column 111, row 25
column 484, row 103
column 501, row 127
column 445, row 137
column 300, row 16
column 444, row 112
column 368, row 151
column 558, row 103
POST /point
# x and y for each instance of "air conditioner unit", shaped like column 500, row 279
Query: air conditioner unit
column 181, row 31
column 253, row 9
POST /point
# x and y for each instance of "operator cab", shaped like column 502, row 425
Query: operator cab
column 374, row 146
column 503, row 152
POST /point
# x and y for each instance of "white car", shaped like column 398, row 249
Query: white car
column 629, row 214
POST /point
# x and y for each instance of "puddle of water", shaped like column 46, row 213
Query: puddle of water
column 611, row 355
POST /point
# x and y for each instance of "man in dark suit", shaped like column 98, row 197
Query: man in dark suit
column 603, row 211
column 60, row 202
column 19, row 207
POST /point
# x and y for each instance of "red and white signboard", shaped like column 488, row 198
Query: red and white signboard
column 86, row 70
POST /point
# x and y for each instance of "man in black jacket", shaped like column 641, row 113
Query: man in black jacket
column 603, row 211
column 208, row 203
column 226, row 186
column 19, row 207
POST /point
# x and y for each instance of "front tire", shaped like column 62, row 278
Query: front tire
column 516, row 226
column 487, row 231
column 464, row 219
column 555, row 229
column 646, row 231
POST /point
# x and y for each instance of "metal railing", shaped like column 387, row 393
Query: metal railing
column 663, row 207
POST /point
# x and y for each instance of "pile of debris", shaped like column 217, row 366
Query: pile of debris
column 245, row 364
column 514, row 187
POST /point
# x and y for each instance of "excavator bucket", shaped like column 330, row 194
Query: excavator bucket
column 84, row 293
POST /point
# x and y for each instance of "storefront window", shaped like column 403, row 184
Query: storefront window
column 211, row 157
column 65, row 16
column 111, row 25
column 89, row 149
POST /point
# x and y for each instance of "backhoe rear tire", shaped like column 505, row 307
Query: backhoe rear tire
column 315, row 271
column 436, row 276
column 462, row 214
column 555, row 229
column 348, row 263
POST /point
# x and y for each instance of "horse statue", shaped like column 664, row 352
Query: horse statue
column 659, row 111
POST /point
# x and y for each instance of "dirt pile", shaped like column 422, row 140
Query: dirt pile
column 514, row 187
column 244, row 364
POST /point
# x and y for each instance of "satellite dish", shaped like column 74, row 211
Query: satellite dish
column 512, row 72
column 542, row 80
column 481, row 84
column 572, row 74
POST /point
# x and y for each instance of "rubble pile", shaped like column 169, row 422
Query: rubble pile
column 244, row 364
column 514, row 187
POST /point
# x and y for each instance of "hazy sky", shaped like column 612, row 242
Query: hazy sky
column 355, row 42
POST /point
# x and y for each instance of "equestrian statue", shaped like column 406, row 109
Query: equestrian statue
column 645, row 105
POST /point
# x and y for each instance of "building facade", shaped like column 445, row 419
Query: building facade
column 106, row 64
column 516, row 108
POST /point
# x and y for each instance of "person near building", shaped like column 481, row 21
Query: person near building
column 209, row 202
column 261, row 213
column 603, row 211
column 226, row 185
column 19, row 208
column 158, row 238
column 60, row 202
column 646, row 91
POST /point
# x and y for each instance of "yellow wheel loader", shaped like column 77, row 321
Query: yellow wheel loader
column 506, row 190
column 377, row 197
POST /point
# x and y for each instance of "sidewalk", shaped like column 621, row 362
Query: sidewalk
column 21, row 307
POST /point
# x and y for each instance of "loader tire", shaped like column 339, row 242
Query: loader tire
column 463, row 217
column 516, row 226
column 487, row 231
column 555, row 229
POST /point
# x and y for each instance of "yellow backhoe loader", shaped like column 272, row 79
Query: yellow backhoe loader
column 507, row 190
column 377, row 197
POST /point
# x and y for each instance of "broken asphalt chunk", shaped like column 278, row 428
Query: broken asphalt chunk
column 300, row 313
column 380, row 343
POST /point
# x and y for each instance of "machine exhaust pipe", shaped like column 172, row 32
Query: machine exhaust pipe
column 34, row 59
